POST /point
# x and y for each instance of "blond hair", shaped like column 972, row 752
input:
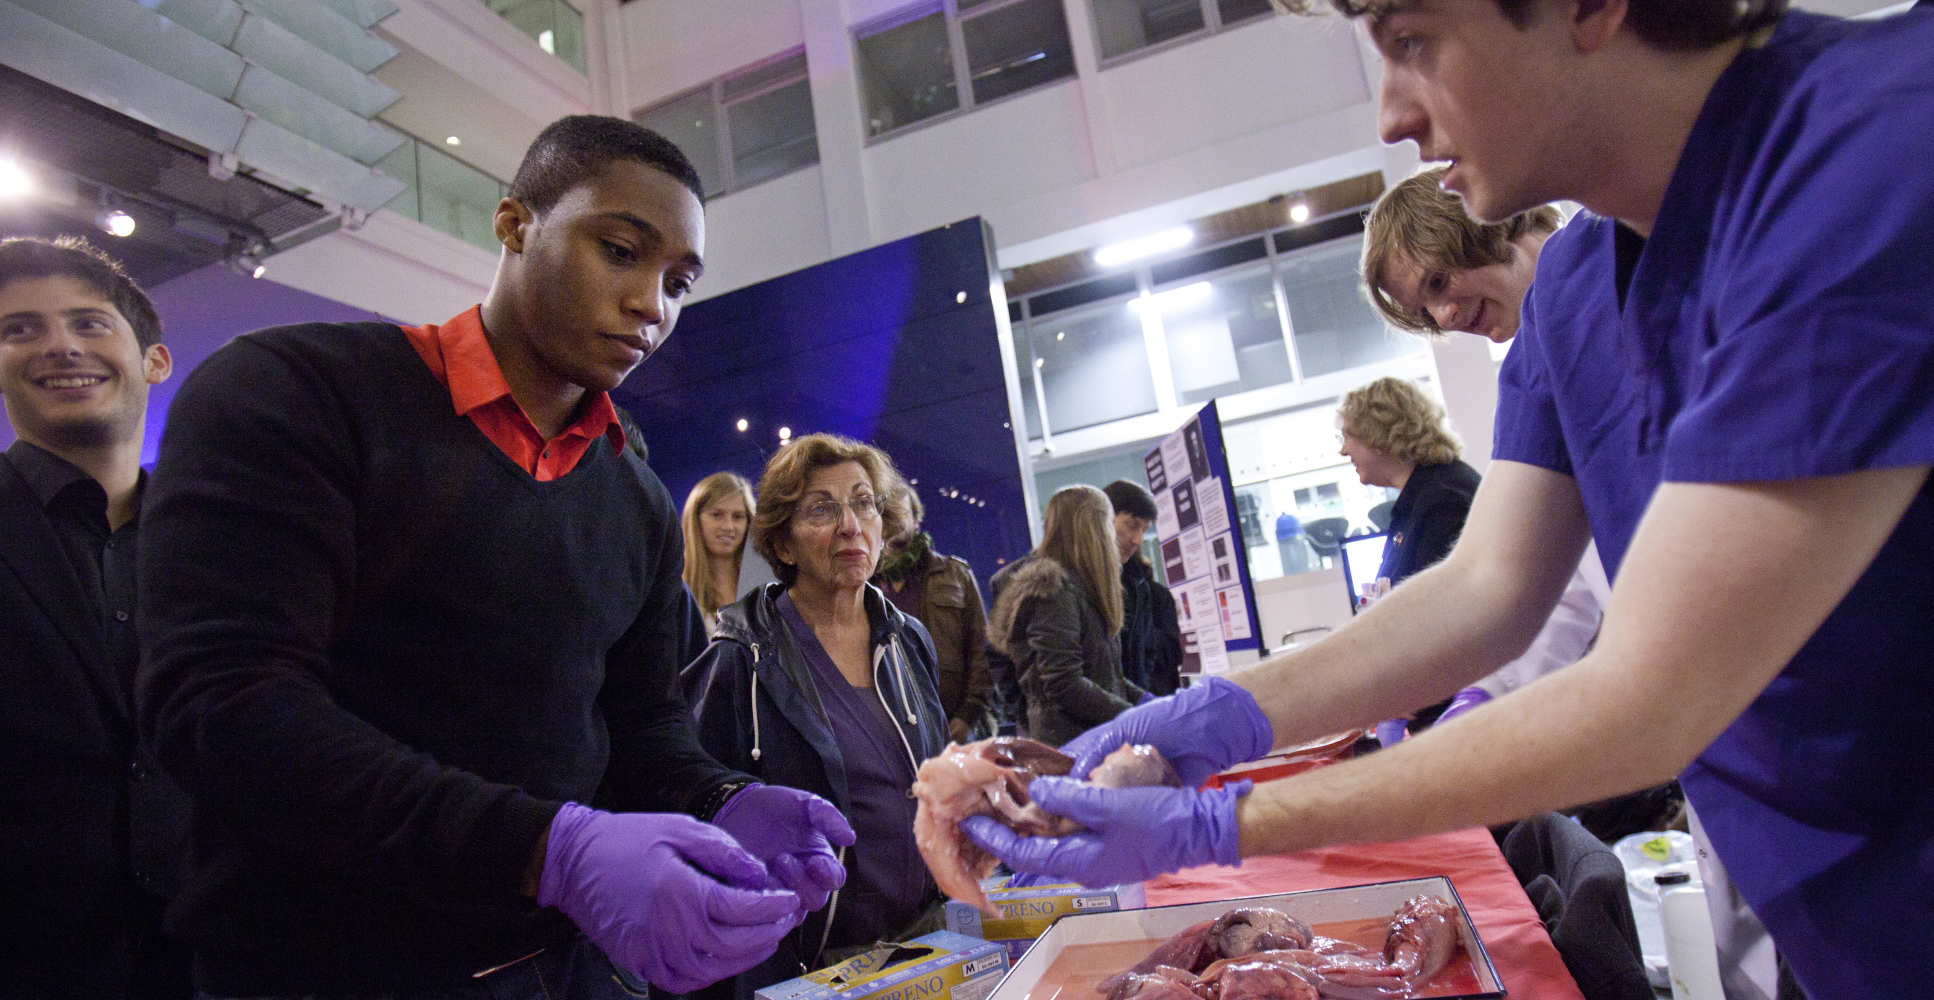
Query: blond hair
column 698, row 558
column 1077, row 532
column 783, row 485
column 1421, row 222
column 1395, row 417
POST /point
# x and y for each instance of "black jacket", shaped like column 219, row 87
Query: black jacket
column 752, row 691
column 1151, row 634
column 1068, row 664
column 1427, row 518
column 91, row 831
column 378, row 654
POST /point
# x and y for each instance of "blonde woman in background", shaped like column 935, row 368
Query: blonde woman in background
column 1057, row 617
column 717, row 514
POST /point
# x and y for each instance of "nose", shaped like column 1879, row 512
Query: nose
column 647, row 304
column 1398, row 117
column 849, row 520
column 1443, row 312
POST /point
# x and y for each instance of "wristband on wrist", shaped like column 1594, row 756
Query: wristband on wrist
column 709, row 806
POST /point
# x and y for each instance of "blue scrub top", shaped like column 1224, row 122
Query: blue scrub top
column 1779, row 324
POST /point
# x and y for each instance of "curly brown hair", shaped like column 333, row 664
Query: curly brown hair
column 783, row 485
column 1395, row 417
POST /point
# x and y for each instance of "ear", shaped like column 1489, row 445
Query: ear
column 509, row 223
column 782, row 547
column 1595, row 22
column 157, row 364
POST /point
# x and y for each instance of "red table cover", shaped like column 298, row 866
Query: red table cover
column 1519, row 947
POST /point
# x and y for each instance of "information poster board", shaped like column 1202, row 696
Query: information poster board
column 1203, row 561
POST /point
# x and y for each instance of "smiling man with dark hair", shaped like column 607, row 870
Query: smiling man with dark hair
column 414, row 626
column 93, row 830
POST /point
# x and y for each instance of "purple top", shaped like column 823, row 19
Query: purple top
column 886, row 881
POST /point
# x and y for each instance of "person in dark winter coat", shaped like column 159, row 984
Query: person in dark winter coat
column 1058, row 616
column 817, row 682
column 1151, row 633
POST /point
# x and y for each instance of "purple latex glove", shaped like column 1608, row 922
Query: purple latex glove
column 794, row 833
column 1463, row 701
column 1133, row 834
column 1201, row 729
column 669, row 899
column 1391, row 732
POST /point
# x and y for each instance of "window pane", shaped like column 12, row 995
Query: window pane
column 1016, row 48
column 456, row 198
column 1223, row 336
column 1333, row 326
column 1094, row 367
column 687, row 122
column 907, row 74
column 1241, row 10
column 401, row 164
column 1127, row 25
column 780, row 71
column 772, row 134
column 568, row 43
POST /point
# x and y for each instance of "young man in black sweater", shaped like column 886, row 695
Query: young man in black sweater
column 412, row 610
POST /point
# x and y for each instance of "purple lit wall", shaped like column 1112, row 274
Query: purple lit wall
column 897, row 346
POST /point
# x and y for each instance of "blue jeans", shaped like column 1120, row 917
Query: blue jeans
column 575, row 971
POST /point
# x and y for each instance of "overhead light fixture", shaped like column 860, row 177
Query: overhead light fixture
column 114, row 221
column 785, row 433
column 249, row 260
column 15, row 181
column 1146, row 246
column 547, row 41
column 1299, row 211
column 451, row 140
column 743, row 424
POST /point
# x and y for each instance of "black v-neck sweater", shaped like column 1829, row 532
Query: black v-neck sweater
column 379, row 654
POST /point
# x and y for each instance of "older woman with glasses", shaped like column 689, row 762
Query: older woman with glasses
column 817, row 682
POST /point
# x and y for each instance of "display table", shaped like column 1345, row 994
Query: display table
column 1509, row 927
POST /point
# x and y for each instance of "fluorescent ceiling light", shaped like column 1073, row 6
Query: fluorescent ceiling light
column 1146, row 246
column 15, row 181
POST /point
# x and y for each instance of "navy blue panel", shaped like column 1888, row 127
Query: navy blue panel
column 879, row 346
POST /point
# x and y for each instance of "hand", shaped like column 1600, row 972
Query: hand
column 1132, row 835
column 1391, row 732
column 1463, row 701
column 669, row 899
column 1201, row 729
column 794, row 833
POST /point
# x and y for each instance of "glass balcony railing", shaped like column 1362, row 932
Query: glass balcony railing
column 557, row 26
column 444, row 193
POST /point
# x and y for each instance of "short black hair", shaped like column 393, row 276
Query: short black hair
column 74, row 257
column 573, row 149
column 1664, row 24
column 1129, row 497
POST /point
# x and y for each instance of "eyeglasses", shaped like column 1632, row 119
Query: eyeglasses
column 821, row 513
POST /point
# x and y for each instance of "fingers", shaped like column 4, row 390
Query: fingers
column 786, row 871
column 740, row 927
column 831, row 824
column 1091, row 806
column 990, row 835
column 824, row 873
column 714, row 851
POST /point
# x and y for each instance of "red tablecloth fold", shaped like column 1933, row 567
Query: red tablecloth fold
column 1512, row 933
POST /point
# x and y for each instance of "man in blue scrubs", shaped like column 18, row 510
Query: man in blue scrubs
column 1724, row 379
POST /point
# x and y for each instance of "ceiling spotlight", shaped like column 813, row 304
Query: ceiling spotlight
column 248, row 261
column 15, row 181
column 451, row 140
column 1146, row 246
column 960, row 298
column 785, row 433
column 1299, row 211
column 742, row 425
column 115, row 222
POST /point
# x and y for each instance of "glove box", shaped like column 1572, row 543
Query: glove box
column 1027, row 913
column 942, row 965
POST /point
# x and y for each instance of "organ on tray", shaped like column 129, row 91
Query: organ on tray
column 1090, row 957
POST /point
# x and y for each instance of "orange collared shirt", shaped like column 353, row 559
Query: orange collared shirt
column 460, row 357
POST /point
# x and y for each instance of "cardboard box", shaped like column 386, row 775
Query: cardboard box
column 1027, row 913
column 938, row 966
column 1147, row 928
